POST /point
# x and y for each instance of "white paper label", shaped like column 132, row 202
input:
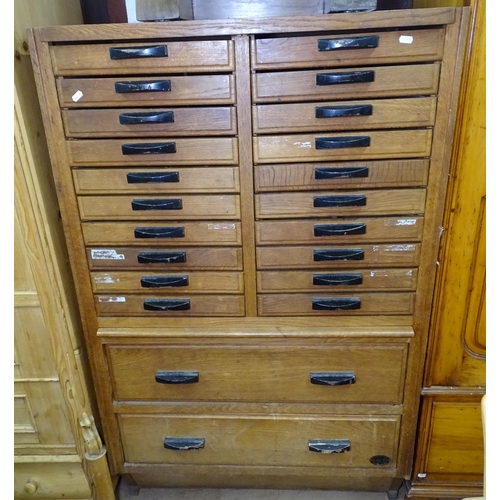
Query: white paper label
column 221, row 226
column 303, row 144
column 77, row 96
column 112, row 299
column 405, row 39
column 106, row 254
column 105, row 278
column 400, row 222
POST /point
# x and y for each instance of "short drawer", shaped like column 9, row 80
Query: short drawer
column 214, row 233
column 113, row 152
column 348, row 49
column 152, row 122
column 335, row 280
column 151, row 258
column 161, row 207
column 326, row 374
column 340, row 256
column 350, row 83
column 315, row 440
column 338, row 230
column 343, row 304
column 152, row 57
column 168, row 305
column 172, row 283
column 342, row 115
column 343, row 146
column 156, row 180
column 307, row 176
column 152, row 90
column 330, row 203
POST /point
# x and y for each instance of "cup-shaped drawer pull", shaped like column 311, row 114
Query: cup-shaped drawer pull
column 361, row 141
column 336, row 304
column 161, row 257
column 338, row 254
column 131, row 86
column 332, row 378
column 184, row 443
column 167, row 305
column 152, row 177
column 337, row 279
column 329, row 445
column 157, row 204
column 138, row 52
column 343, row 111
column 343, row 77
column 177, row 377
column 149, row 148
column 339, row 229
column 345, row 200
column 164, row 281
column 146, row 117
column 354, row 42
column 159, row 232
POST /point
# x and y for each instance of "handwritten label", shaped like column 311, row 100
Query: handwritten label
column 405, row 39
column 106, row 254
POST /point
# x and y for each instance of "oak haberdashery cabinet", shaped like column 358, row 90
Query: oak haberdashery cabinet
column 252, row 210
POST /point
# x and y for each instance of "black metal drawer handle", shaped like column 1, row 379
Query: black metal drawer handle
column 347, row 200
column 340, row 173
column 337, row 279
column 143, row 86
column 176, row 377
column 149, row 148
column 138, row 52
column 362, row 141
column 157, row 204
column 167, row 305
column 159, row 232
column 164, row 281
column 343, row 111
column 332, row 378
column 184, row 444
column 339, row 229
column 161, row 257
column 338, row 254
column 152, row 177
column 146, row 117
column 329, row 445
column 337, row 304
column 345, row 77
column 355, row 42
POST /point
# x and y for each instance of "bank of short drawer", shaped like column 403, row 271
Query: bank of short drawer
column 342, row 146
column 144, row 122
column 224, row 233
column 259, row 440
column 342, row 304
column 389, row 81
column 184, row 90
column 150, row 207
column 163, row 304
column 96, row 58
column 154, row 259
column 348, row 49
column 329, row 203
column 340, row 256
column 364, row 373
column 339, row 230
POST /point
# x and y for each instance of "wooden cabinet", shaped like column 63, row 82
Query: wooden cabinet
column 255, row 278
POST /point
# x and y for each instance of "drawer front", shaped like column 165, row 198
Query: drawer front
column 177, row 233
column 170, row 305
column 343, row 304
column 333, row 280
column 388, row 81
column 330, row 374
column 109, row 92
column 341, row 115
column 155, row 180
column 318, row 232
column 343, row 146
column 302, row 176
column 130, row 58
column 161, row 207
column 163, row 151
column 178, row 283
column 348, row 49
column 324, row 257
column 259, row 440
column 151, row 258
column 144, row 122
column 330, row 203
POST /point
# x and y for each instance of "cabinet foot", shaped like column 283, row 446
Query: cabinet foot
column 393, row 491
column 132, row 487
